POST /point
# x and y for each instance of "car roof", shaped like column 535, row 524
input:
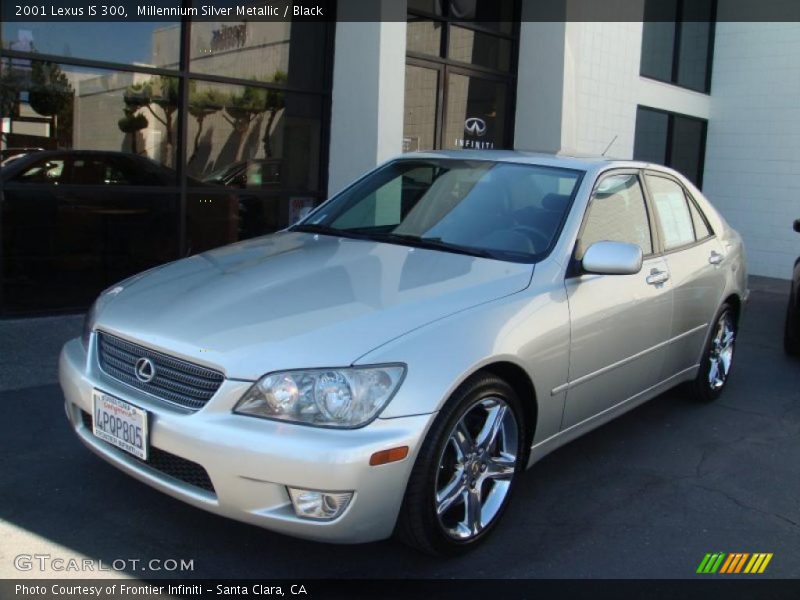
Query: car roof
column 564, row 160
column 67, row 151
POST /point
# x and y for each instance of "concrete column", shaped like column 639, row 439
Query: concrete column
column 540, row 84
column 368, row 90
column 577, row 79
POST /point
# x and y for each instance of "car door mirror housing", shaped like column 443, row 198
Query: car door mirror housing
column 797, row 225
column 612, row 258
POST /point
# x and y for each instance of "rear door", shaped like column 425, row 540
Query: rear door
column 619, row 323
column 695, row 258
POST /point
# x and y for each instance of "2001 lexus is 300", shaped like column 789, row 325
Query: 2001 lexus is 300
column 393, row 362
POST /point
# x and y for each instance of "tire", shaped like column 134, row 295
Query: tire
column 791, row 334
column 718, row 354
column 463, row 477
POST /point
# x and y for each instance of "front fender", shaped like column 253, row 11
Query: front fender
column 528, row 329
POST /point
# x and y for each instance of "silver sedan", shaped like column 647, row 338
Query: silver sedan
column 395, row 361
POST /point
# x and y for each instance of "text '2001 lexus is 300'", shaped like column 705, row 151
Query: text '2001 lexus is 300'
column 393, row 362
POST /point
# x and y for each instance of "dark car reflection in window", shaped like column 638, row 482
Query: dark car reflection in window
column 64, row 233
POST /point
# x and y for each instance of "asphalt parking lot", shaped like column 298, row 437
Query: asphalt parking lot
column 645, row 496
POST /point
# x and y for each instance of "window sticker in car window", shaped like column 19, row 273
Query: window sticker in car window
column 673, row 212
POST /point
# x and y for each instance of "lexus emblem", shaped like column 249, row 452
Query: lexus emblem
column 145, row 370
column 475, row 126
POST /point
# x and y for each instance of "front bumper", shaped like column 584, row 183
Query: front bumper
column 250, row 461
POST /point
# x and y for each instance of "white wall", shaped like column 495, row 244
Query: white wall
column 601, row 75
column 577, row 86
column 752, row 169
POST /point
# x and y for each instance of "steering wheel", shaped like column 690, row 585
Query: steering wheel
column 539, row 240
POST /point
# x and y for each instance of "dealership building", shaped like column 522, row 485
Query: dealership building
column 250, row 124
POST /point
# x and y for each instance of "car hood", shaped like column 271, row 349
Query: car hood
column 297, row 300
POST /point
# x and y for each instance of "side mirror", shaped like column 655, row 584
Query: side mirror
column 612, row 258
column 797, row 225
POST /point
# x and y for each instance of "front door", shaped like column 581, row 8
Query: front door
column 619, row 323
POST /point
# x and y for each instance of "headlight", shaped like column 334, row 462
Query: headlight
column 347, row 398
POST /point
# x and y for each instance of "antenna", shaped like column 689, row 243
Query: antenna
column 611, row 143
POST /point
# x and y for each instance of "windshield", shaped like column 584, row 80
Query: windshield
column 500, row 210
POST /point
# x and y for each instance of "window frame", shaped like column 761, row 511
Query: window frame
column 663, row 251
column 676, row 46
column 445, row 66
column 183, row 186
column 671, row 116
column 575, row 268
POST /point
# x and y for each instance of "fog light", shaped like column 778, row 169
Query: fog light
column 324, row 506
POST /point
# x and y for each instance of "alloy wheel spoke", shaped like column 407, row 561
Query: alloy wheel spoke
column 500, row 467
column 727, row 340
column 713, row 373
column 462, row 440
column 451, row 493
column 492, row 426
column 473, row 505
column 725, row 363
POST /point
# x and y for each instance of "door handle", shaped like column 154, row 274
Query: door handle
column 715, row 257
column 657, row 277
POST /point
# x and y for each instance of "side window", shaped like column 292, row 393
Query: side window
column 701, row 228
column 673, row 211
column 96, row 171
column 50, row 170
column 617, row 213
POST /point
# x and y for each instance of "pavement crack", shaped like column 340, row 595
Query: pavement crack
column 745, row 411
column 744, row 505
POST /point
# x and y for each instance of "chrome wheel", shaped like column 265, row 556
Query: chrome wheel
column 721, row 352
column 476, row 467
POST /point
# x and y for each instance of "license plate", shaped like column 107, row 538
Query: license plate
column 120, row 423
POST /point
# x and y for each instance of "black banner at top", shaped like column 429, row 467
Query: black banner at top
column 380, row 10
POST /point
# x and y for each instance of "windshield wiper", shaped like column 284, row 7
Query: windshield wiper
column 327, row 230
column 428, row 243
column 312, row 228
column 431, row 243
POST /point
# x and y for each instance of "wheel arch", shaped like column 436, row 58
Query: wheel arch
column 521, row 382
column 735, row 302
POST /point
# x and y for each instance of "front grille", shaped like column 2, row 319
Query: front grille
column 175, row 380
column 167, row 463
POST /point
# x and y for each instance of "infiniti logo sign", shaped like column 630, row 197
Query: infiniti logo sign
column 145, row 370
column 475, row 126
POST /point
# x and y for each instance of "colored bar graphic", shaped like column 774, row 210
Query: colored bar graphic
column 734, row 563
column 754, row 563
column 727, row 564
column 712, row 559
column 733, row 560
column 703, row 563
column 765, row 563
column 711, row 562
column 718, row 562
